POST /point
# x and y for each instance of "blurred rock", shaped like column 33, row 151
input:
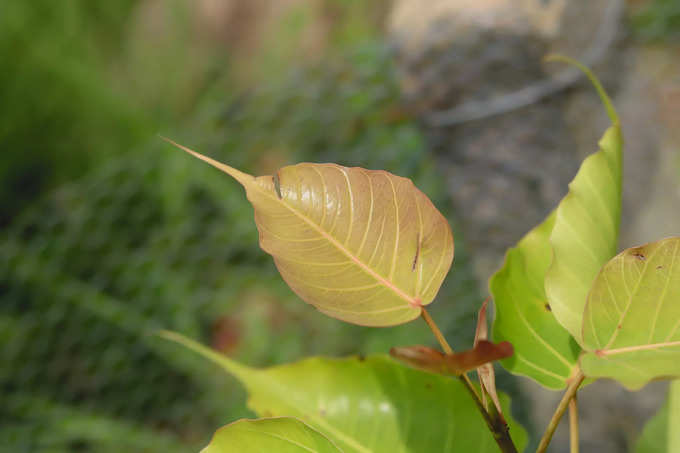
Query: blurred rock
column 650, row 105
column 506, row 170
column 510, row 134
column 610, row 417
column 244, row 26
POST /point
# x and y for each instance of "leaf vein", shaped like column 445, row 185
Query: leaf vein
column 391, row 286
column 370, row 214
column 351, row 205
column 630, row 298
column 397, row 227
column 662, row 297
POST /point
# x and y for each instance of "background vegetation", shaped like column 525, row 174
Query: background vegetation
column 109, row 234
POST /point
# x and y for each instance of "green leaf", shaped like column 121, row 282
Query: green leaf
column 363, row 246
column 63, row 425
column 661, row 434
column 631, row 324
column 586, row 231
column 368, row 405
column 280, row 435
column 541, row 290
column 544, row 351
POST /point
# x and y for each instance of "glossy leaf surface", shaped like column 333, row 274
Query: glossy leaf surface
column 368, row 405
column 631, row 324
column 280, row 435
column 661, row 433
column 363, row 246
column 544, row 350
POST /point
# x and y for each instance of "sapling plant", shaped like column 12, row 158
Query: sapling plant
column 367, row 247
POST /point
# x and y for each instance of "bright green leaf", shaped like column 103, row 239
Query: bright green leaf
column 541, row 289
column 631, row 324
column 661, row 433
column 370, row 405
column 586, row 231
column 280, row 435
column 586, row 228
column 363, row 246
column 544, row 351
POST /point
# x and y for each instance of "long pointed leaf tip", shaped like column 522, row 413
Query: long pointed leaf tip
column 243, row 178
column 611, row 111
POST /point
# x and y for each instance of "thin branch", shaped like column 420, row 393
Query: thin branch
column 437, row 333
column 447, row 349
column 559, row 412
column 573, row 425
column 498, row 428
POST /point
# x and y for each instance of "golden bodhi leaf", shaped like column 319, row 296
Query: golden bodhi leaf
column 363, row 246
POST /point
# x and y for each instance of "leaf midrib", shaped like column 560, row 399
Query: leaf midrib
column 643, row 347
column 412, row 301
column 247, row 180
column 631, row 295
column 276, row 436
column 311, row 414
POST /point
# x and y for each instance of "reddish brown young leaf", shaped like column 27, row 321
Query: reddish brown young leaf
column 421, row 357
column 483, row 352
column 429, row 359
column 487, row 377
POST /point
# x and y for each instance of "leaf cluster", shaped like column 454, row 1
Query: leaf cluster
column 369, row 248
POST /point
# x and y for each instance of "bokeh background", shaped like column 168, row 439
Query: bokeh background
column 108, row 234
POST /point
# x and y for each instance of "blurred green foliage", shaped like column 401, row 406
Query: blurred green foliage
column 56, row 99
column 86, row 83
column 659, row 20
column 110, row 234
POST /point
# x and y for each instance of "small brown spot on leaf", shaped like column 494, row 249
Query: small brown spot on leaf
column 428, row 385
column 547, row 307
column 415, row 258
column 639, row 255
column 658, row 268
column 618, row 326
column 277, row 184
column 361, row 358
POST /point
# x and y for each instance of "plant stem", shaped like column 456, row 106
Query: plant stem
column 447, row 349
column 496, row 425
column 573, row 425
column 437, row 333
column 559, row 412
